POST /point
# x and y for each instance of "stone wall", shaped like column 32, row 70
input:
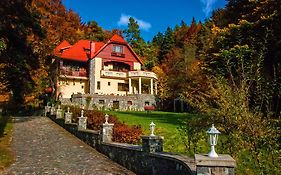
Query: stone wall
column 149, row 158
column 132, row 156
column 106, row 101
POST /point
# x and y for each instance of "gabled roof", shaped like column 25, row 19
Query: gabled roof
column 118, row 39
column 80, row 51
column 62, row 45
column 77, row 52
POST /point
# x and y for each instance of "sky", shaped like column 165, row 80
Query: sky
column 153, row 16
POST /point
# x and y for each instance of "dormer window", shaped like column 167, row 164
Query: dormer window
column 117, row 48
column 117, row 51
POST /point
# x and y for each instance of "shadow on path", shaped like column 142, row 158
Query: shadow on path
column 42, row 147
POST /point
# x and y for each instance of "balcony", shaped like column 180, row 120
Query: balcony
column 70, row 73
column 117, row 54
column 113, row 74
column 145, row 74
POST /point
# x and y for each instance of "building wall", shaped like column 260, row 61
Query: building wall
column 66, row 87
column 135, row 102
column 137, row 66
column 106, row 54
column 104, row 87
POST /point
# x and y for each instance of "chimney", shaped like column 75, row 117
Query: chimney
column 92, row 49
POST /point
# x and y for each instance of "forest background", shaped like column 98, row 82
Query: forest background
column 227, row 68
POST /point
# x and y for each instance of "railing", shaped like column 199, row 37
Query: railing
column 142, row 74
column 117, row 54
column 114, row 74
column 67, row 72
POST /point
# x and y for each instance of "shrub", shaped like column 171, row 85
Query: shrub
column 121, row 132
column 125, row 134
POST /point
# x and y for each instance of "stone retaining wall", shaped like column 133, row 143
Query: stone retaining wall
column 132, row 102
column 148, row 158
column 132, row 156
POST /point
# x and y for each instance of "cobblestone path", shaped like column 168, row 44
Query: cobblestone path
column 42, row 147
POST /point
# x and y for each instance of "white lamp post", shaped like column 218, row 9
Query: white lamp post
column 152, row 128
column 213, row 139
column 106, row 118
column 82, row 113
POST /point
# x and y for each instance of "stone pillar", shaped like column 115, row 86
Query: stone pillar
column 130, row 86
column 82, row 121
column 59, row 114
column 92, row 83
column 53, row 110
column 47, row 110
column 222, row 165
column 106, row 132
column 139, row 85
column 152, row 144
column 156, row 90
column 68, row 116
column 151, row 86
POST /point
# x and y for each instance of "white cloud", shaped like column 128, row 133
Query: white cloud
column 208, row 6
column 124, row 20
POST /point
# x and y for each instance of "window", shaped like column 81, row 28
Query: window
column 117, row 48
column 101, row 102
column 123, row 87
column 108, row 83
column 146, row 103
column 130, row 103
column 98, row 85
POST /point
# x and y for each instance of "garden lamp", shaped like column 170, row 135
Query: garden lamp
column 152, row 128
column 106, row 118
column 82, row 113
column 68, row 110
column 213, row 139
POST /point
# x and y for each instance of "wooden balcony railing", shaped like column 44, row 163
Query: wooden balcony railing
column 117, row 54
column 80, row 73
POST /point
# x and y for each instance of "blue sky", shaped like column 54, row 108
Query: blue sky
column 153, row 16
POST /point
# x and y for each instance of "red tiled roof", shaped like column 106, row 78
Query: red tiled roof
column 76, row 53
column 62, row 45
column 79, row 51
column 117, row 38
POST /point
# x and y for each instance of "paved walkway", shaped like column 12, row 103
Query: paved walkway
column 43, row 147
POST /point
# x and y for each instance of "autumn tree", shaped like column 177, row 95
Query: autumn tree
column 18, row 58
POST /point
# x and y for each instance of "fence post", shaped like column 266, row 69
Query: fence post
column 106, row 130
column 82, row 121
column 68, row 116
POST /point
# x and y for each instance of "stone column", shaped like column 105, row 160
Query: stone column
column 130, row 86
column 156, row 90
column 222, row 165
column 82, row 121
column 152, row 144
column 106, row 132
column 47, row 110
column 68, row 116
column 59, row 114
column 92, row 83
column 139, row 85
column 151, row 86
column 53, row 110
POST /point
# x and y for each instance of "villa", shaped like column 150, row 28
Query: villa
column 105, row 75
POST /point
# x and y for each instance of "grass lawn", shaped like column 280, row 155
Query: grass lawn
column 6, row 156
column 166, row 125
